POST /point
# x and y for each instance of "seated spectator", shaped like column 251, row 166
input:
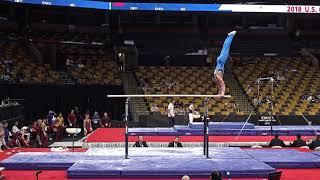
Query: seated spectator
column 68, row 62
column 19, row 135
column 154, row 109
column 96, row 120
column 315, row 143
column 179, row 104
column 105, row 121
column 304, row 97
column 299, row 142
column 249, row 89
column 185, row 177
column 318, row 96
column 81, row 66
column 256, row 101
column 215, row 175
column 181, row 111
column 279, row 77
column 140, row 142
column 175, row 143
column 276, row 142
column 236, row 107
column 311, row 99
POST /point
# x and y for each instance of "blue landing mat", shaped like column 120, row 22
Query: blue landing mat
column 42, row 160
column 214, row 129
column 190, row 152
column 166, row 162
column 143, row 131
column 317, row 153
column 289, row 130
column 222, row 125
column 285, row 158
column 96, row 166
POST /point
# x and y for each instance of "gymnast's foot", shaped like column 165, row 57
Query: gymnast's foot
column 232, row 33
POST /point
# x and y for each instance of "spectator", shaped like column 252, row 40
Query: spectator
column 68, row 62
column 154, row 108
column 96, row 120
column 236, row 107
column 105, row 121
column 175, row 143
column 299, row 142
column 181, row 111
column 315, row 143
column 215, row 175
column 249, row 89
column 279, row 77
column 276, row 142
column 311, row 99
column 81, row 66
column 140, row 142
column 19, row 135
column 179, row 104
column 256, row 101
column 72, row 119
column 185, row 177
column 87, row 127
column 304, row 97
column 318, row 96
column 166, row 60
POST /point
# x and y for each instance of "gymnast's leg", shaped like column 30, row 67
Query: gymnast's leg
column 221, row 60
column 226, row 46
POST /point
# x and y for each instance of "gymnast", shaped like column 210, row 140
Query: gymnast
column 221, row 61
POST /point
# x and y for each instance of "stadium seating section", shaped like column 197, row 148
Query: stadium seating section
column 185, row 80
column 97, row 67
column 24, row 69
column 300, row 78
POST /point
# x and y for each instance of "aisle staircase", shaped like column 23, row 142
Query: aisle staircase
column 137, row 106
column 236, row 91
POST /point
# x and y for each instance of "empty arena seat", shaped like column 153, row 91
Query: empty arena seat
column 300, row 78
column 183, row 80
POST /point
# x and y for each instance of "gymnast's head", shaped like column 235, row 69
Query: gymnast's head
column 140, row 138
column 185, row 177
column 215, row 175
column 177, row 139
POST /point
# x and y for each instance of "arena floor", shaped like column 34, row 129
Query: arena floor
column 288, row 174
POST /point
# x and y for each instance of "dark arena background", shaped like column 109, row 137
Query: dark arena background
column 160, row 89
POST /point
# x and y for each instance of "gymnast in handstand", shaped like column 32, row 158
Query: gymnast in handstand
column 221, row 61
